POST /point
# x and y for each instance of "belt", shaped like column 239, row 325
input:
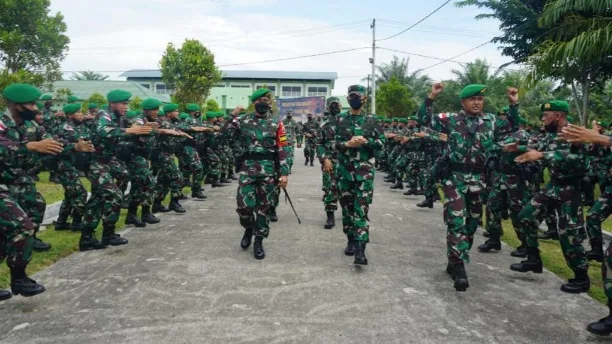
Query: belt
column 259, row 156
column 465, row 168
column 567, row 181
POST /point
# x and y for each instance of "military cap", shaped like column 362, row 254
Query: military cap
column 403, row 120
column 357, row 89
column 192, row 107
column 92, row 106
column 603, row 124
column 150, row 104
column 183, row 116
column 118, row 96
column 170, row 107
column 388, row 120
column 555, row 105
column 522, row 121
column 413, row 118
column 210, row 114
column 21, row 93
column 39, row 105
column 161, row 113
column 259, row 93
column 504, row 111
column 220, row 114
column 46, row 97
column 132, row 114
column 570, row 119
column 472, row 90
column 395, row 119
column 331, row 100
column 71, row 108
column 72, row 99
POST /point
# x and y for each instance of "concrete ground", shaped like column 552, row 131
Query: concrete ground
column 186, row 280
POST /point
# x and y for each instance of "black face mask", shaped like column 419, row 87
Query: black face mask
column 27, row 114
column 355, row 103
column 262, row 108
column 551, row 128
column 310, row 118
column 334, row 109
column 289, row 117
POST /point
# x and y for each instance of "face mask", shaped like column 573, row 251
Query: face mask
column 355, row 103
column 551, row 128
column 262, row 108
column 310, row 118
column 334, row 110
column 27, row 114
column 289, row 117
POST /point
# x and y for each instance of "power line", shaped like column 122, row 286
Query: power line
column 420, row 55
column 443, row 32
column 454, row 57
column 294, row 58
column 417, row 23
column 399, row 24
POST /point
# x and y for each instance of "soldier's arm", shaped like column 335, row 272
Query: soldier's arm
column 105, row 127
column 567, row 157
column 378, row 139
column 428, row 120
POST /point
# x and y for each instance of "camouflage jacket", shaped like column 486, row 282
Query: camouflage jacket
column 107, row 135
column 166, row 143
column 71, row 133
column 326, row 140
column 291, row 128
column 357, row 164
column 261, row 140
column 310, row 127
column 228, row 131
column 505, row 160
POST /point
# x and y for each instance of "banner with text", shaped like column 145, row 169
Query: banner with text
column 301, row 107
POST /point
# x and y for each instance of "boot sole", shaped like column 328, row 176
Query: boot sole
column 487, row 250
column 365, row 262
column 603, row 334
column 577, row 291
column 42, row 249
column 518, row 256
column 349, row 253
column 461, row 285
column 328, row 226
column 27, row 294
column 260, row 257
column 535, row 271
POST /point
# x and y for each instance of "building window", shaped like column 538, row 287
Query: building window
column 240, row 86
column 161, row 89
column 317, row 91
column 146, row 85
column 220, row 85
column 292, row 91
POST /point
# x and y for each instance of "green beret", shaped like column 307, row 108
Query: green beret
column 603, row 124
column 133, row 114
column 413, row 118
column 118, row 96
column 170, row 107
column 259, row 93
column 72, row 99
column 331, row 100
column 220, row 114
column 358, row 89
column 211, row 114
column 403, row 120
column 555, row 105
column 92, row 106
column 161, row 113
column 522, row 121
column 71, row 108
column 21, row 93
column 46, row 97
column 395, row 119
column 472, row 90
column 184, row 116
column 150, row 104
column 388, row 120
column 192, row 107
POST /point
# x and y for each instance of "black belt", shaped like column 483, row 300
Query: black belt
column 465, row 168
column 577, row 181
column 259, row 156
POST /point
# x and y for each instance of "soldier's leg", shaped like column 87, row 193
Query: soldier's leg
column 494, row 219
column 290, row 152
column 174, row 179
column 330, row 196
column 142, row 191
column 455, row 214
column 363, row 194
column 74, row 200
column 598, row 213
column 347, row 202
column 473, row 203
column 551, row 223
column 196, row 170
column 32, row 202
column 529, row 219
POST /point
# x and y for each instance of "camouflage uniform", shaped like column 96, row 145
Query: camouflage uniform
column 190, row 158
column 169, row 177
column 291, row 128
column 325, row 150
column 208, row 152
column 310, row 127
column 141, row 176
column 601, row 209
column 299, row 134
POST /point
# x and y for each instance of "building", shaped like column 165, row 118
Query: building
column 83, row 89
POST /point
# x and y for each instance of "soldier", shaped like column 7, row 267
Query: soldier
column 310, row 131
column 299, row 134
column 208, row 151
column 291, row 128
column 16, row 226
column 567, row 166
column 471, row 133
column 264, row 169
column 90, row 118
column 106, row 196
column 329, row 161
column 75, row 194
column 191, row 158
column 357, row 139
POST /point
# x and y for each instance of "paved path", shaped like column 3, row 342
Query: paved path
column 186, row 280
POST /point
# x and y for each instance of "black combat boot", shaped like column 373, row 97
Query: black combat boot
column 390, row 179
column 176, row 206
column 88, row 241
column 109, row 237
column 603, row 327
column 198, row 194
column 39, row 245
column 520, row 252
column 132, row 217
column 182, row 197
column 596, row 253
column 349, row 250
column 233, row 176
column 450, row 270
column 62, row 223
column 23, row 285
column 533, row 262
column 77, row 222
column 551, row 234
column 147, row 217
column 311, row 161
column 410, row 192
column 5, row 295
column 258, row 250
column 158, row 207
column 216, row 184
column 272, row 214
column 331, row 221
column 399, row 185
column 306, row 162
column 486, row 234
column 224, row 180
column 427, row 203
column 580, row 284
column 460, row 277
column 360, row 257
column 436, row 196
column 492, row 244
column 246, row 238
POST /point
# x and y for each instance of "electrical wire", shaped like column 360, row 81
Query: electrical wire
column 293, row 58
column 417, row 23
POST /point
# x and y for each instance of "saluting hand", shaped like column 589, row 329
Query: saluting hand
column 513, row 96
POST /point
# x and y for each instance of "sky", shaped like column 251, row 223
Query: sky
column 113, row 36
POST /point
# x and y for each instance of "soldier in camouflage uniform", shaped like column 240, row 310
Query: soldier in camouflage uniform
column 191, row 159
column 16, row 226
column 299, row 134
column 329, row 161
column 471, row 134
column 208, row 151
column 291, row 128
column 357, row 139
column 264, row 169
column 310, row 129
column 567, row 165
column 106, row 197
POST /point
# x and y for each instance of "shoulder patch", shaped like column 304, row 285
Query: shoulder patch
column 2, row 127
column 68, row 127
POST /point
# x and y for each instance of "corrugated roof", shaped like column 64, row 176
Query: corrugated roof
column 245, row 74
column 83, row 89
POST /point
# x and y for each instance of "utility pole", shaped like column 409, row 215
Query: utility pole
column 368, row 89
column 373, row 62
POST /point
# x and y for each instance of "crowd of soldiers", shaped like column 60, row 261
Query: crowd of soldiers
column 475, row 158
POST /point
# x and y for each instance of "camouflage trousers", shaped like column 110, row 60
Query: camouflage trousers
column 211, row 164
column 309, row 149
column 429, row 184
column 462, row 215
column 30, row 200
column 507, row 190
column 355, row 200
column 17, row 230
column 567, row 199
column 256, row 195
column 299, row 139
column 330, row 188
column 169, row 176
column 190, row 165
column 416, row 175
column 118, row 169
column 290, row 149
column 75, row 194
column 106, row 197
column 142, row 181
column 598, row 213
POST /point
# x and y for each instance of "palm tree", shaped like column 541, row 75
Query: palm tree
column 88, row 75
column 476, row 72
column 417, row 84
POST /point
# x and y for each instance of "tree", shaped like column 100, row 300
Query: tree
column 88, row 75
column 418, row 84
column 395, row 100
column 212, row 105
column 135, row 103
column 94, row 98
column 190, row 70
column 31, row 39
column 62, row 94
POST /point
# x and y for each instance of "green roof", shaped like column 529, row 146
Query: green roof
column 85, row 88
